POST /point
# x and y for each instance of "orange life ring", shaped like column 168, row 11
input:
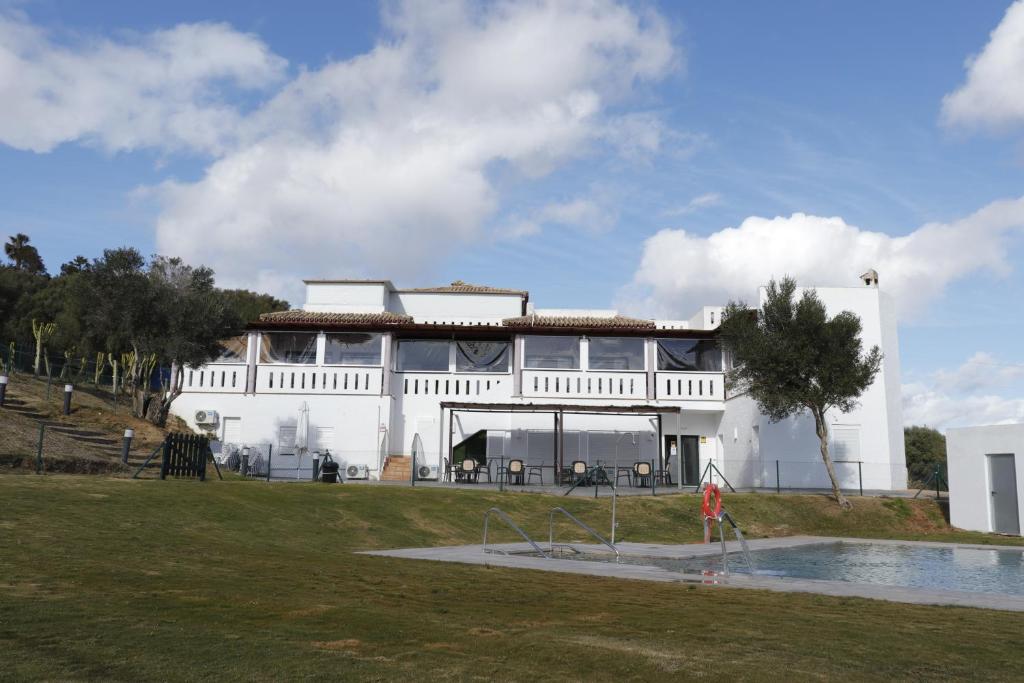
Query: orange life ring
column 708, row 491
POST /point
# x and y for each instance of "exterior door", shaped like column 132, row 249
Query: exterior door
column 1002, row 477
column 691, row 458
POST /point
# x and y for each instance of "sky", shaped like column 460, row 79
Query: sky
column 648, row 157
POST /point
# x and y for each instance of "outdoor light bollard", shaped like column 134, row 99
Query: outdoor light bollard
column 126, row 445
column 316, row 466
column 3, row 388
column 68, row 388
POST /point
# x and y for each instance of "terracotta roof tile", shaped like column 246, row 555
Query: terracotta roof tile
column 580, row 322
column 460, row 287
column 316, row 318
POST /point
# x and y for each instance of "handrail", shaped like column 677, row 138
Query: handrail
column 515, row 527
column 551, row 530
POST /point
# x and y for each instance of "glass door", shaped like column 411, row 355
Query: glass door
column 690, row 455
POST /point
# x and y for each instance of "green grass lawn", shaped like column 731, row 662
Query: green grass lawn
column 115, row 579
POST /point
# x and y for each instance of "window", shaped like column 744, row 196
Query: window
column 288, row 347
column 352, row 349
column 233, row 350
column 689, row 355
column 422, row 356
column 482, row 356
column 615, row 353
column 562, row 353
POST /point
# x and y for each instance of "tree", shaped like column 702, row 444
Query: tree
column 925, row 450
column 23, row 255
column 162, row 312
column 791, row 358
column 250, row 305
column 75, row 265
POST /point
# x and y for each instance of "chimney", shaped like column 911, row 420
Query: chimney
column 870, row 278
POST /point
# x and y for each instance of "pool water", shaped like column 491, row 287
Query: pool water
column 963, row 569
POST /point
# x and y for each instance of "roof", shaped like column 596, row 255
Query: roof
column 350, row 281
column 460, row 287
column 615, row 322
column 299, row 317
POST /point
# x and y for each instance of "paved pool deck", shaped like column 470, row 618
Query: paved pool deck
column 517, row 557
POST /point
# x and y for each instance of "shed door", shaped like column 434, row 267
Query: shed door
column 1002, row 476
column 232, row 430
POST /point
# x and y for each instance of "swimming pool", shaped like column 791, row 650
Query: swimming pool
column 908, row 566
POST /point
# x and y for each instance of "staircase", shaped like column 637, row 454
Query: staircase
column 397, row 468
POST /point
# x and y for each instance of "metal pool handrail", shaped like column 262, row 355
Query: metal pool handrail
column 585, row 527
column 515, row 527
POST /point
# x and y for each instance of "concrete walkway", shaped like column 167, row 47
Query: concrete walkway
column 519, row 557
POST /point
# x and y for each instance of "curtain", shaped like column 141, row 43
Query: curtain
column 233, row 350
column 481, row 356
column 353, row 349
column 689, row 355
column 288, row 347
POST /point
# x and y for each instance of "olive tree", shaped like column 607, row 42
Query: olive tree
column 792, row 359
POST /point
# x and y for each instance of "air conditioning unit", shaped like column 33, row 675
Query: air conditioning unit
column 426, row 472
column 206, row 417
column 357, row 472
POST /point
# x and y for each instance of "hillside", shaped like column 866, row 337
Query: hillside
column 87, row 441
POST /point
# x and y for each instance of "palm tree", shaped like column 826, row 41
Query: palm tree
column 23, row 255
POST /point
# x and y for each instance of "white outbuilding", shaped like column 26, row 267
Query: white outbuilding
column 986, row 478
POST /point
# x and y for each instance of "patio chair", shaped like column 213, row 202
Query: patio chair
column 579, row 471
column 535, row 471
column 624, row 471
column 485, row 469
column 642, row 474
column 515, row 472
column 468, row 469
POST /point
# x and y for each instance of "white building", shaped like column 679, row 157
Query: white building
column 986, row 477
column 385, row 372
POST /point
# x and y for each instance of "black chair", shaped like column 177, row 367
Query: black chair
column 516, row 472
column 483, row 468
column 535, row 471
column 642, row 474
column 624, row 471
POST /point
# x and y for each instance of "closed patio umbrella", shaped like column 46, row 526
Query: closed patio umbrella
column 301, row 436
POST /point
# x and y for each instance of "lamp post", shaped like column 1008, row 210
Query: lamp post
column 68, row 388
column 126, row 445
column 244, row 464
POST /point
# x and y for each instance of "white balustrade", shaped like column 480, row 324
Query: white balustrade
column 452, row 386
column 690, row 386
column 215, row 378
column 311, row 379
column 563, row 383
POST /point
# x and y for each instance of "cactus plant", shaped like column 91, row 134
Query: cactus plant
column 42, row 333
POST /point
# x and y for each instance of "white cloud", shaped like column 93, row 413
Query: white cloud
column 580, row 213
column 965, row 396
column 162, row 89
column 680, row 270
column 699, row 202
column 381, row 163
column 993, row 94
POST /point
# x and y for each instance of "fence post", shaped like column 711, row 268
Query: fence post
column 126, row 445
column 3, row 388
column 412, row 470
column 938, row 494
column 654, row 480
column 39, row 449
column 165, row 462
column 860, row 477
column 778, row 484
column 270, row 453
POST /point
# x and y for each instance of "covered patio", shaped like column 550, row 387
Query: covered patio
column 563, row 471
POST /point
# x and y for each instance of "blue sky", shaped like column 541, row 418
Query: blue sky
column 596, row 153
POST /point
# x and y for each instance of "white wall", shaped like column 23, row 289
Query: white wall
column 433, row 306
column 346, row 297
column 970, row 502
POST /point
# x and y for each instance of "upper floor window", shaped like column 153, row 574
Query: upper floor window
column 561, row 353
column 422, row 355
column 689, row 355
column 353, row 349
column 288, row 347
column 615, row 353
column 482, row 356
column 233, row 350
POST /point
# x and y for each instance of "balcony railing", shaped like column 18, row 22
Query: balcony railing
column 607, row 385
column 689, row 386
column 493, row 386
column 218, row 378
column 310, row 379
